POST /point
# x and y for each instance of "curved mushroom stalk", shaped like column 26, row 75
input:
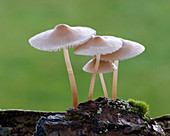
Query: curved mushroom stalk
column 128, row 50
column 103, row 82
column 104, row 67
column 71, row 78
column 103, row 85
column 94, row 77
column 115, row 78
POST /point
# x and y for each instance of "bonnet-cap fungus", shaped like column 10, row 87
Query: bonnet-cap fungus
column 104, row 67
column 60, row 37
column 63, row 36
column 97, row 46
column 128, row 50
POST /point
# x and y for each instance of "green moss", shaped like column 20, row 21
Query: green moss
column 139, row 106
column 99, row 111
column 146, row 119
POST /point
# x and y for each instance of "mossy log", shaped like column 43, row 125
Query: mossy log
column 103, row 117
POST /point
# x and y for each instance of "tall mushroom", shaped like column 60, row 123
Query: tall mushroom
column 97, row 46
column 104, row 67
column 63, row 36
column 128, row 50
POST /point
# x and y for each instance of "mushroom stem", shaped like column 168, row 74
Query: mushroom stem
column 94, row 77
column 71, row 78
column 103, row 85
column 92, row 86
column 115, row 78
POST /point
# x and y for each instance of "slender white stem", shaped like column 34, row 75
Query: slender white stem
column 93, row 77
column 115, row 78
column 92, row 86
column 71, row 78
column 103, row 85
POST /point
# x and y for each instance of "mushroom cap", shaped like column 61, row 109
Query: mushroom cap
column 128, row 50
column 104, row 66
column 61, row 36
column 98, row 45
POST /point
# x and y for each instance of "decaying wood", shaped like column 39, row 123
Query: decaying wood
column 20, row 122
column 102, row 117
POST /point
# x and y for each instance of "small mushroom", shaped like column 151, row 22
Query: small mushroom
column 97, row 46
column 104, row 67
column 128, row 50
column 62, row 37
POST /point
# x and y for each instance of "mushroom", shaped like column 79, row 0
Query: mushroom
column 97, row 46
column 128, row 50
column 63, row 36
column 104, row 67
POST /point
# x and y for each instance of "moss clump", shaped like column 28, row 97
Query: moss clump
column 139, row 106
column 147, row 119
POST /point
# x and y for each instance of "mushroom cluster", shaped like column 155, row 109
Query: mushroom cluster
column 104, row 49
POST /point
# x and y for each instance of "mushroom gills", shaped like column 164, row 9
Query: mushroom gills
column 104, row 66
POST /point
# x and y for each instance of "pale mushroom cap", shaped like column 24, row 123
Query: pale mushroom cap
column 104, row 66
column 98, row 45
column 128, row 50
column 61, row 36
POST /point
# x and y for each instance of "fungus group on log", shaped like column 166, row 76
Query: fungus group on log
column 104, row 116
column 104, row 49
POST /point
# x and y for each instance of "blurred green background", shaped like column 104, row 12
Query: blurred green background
column 38, row 80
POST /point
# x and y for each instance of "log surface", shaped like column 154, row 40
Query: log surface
column 102, row 117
